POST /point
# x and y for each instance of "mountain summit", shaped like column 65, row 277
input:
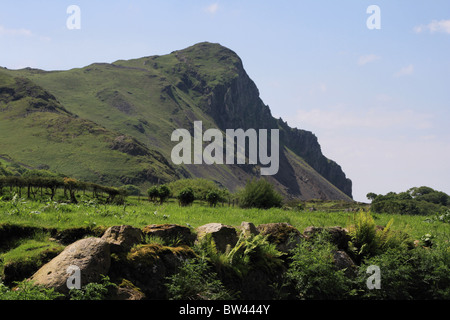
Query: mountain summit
column 112, row 123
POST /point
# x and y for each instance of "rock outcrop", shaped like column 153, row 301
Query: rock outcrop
column 91, row 256
column 222, row 235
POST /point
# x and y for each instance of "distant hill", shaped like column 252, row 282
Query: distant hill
column 112, row 123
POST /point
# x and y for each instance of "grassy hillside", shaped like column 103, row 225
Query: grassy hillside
column 37, row 130
column 146, row 99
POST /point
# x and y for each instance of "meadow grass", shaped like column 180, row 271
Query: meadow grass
column 139, row 212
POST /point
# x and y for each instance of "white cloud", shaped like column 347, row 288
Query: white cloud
column 15, row 32
column 367, row 59
column 212, row 9
column 406, row 71
column 434, row 26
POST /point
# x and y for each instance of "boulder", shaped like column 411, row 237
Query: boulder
column 248, row 229
column 343, row 261
column 91, row 256
column 171, row 232
column 122, row 238
column 222, row 235
column 147, row 267
column 285, row 236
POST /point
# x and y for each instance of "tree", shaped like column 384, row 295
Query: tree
column 186, row 197
column 163, row 193
column 213, row 197
column 371, row 196
column 153, row 193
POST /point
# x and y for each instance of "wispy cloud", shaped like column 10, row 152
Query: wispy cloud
column 405, row 71
column 212, row 9
column 363, row 60
column 434, row 26
column 15, row 32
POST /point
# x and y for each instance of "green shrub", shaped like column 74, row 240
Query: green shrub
column 153, row 193
column 213, row 197
column 367, row 239
column 92, row 291
column 186, row 197
column 26, row 290
column 313, row 274
column 162, row 193
column 259, row 194
column 419, row 274
column 195, row 281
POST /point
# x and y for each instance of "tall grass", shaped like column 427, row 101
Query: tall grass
column 139, row 213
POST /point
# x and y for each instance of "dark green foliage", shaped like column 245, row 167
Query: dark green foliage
column 420, row 274
column 26, row 290
column 160, row 193
column 186, row 197
column 259, row 194
column 213, row 197
column 196, row 281
column 93, row 291
column 163, row 193
column 415, row 201
column 131, row 190
column 313, row 274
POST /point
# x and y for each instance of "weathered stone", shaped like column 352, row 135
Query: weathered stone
column 285, row 236
column 90, row 255
column 148, row 266
column 122, row 238
column 343, row 261
column 248, row 228
column 173, row 232
column 222, row 235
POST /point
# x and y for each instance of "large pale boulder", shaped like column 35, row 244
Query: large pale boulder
column 222, row 235
column 122, row 238
column 91, row 256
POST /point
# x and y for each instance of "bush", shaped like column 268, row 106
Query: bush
column 312, row 272
column 162, row 193
column 195, row 281
column 213, row 197
column 153, row 193
column 201, row 188
column 92, row 291
column 259, row 194
column 420, row 274
column 186, row 197
column 26, row 290
column 367, row 240
column 415, row 201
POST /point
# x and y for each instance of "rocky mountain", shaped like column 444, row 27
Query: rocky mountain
column 112, row 123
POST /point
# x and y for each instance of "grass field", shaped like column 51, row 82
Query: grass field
column 139, row 212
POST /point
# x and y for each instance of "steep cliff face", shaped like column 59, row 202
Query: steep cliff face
column 236, row 103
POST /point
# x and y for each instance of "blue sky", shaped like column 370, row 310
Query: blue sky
column 378, row 100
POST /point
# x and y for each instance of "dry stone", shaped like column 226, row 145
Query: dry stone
column 248, row 229
column 222, row 235
column 90, row 255
column 122, row 238
column 174, row 232
column 282, row 234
